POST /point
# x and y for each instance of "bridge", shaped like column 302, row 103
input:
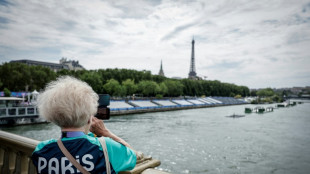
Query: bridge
column 15, row 154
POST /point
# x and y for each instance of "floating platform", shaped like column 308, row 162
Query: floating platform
column 259, row 110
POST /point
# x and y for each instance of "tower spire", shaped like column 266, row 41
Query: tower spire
column 192, row 70
column 161, row 71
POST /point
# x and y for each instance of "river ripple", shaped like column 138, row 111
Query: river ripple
column 205, row 141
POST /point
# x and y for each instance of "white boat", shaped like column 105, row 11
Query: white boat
column 14, row 111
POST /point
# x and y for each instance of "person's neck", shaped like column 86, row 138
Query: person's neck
column 81, row 129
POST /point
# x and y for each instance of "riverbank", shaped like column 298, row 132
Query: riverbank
column 124, row 107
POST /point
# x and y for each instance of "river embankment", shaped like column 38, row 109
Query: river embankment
column 124, row 107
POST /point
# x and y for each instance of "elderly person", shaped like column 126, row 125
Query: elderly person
column 70, row 104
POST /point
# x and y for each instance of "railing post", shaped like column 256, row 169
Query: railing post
column 1, row 158
column 22, row 161
column 32, row 168
column 9, row 162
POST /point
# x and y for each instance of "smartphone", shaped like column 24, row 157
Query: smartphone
column 103, row 111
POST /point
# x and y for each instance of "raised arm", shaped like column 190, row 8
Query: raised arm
column 98, row 128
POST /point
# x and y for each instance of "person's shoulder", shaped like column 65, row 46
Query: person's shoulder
column 42, row 144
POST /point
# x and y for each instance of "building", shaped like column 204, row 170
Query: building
column 73, row 65
column 64, row 64
column 161, row 71
column 192, row 71
column 54, row 66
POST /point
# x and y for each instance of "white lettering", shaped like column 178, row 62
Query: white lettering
column 78, row 160
column 91, row 164
column 40, row 165
column 54, row 168
column 65, row 167
column 54, row 164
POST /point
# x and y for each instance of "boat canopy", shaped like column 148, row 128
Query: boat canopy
column 11, row 98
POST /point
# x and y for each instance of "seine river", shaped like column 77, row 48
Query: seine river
column 206, row 141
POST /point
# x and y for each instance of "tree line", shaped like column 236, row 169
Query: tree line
column 116, row 82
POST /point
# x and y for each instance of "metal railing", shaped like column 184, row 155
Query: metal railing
column 16, row 151
column 18, row 111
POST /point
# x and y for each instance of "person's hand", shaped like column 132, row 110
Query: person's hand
column 97, row 127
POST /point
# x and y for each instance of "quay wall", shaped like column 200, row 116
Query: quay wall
column 136, row 109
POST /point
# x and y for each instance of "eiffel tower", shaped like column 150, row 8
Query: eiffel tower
column 192, row 71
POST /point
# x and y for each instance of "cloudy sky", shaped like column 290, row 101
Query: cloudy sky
column 263, row 43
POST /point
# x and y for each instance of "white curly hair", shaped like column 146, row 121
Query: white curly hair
column 68, row 102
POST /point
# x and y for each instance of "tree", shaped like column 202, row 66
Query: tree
column 93, row 79
column 148, row 88
column 7, row 92
column 253, row 93
column 130, row 87
column 163, row 89
column 112, row 87
column 175, row 88
column 268, row 92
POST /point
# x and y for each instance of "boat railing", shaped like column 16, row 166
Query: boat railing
column 16, row 151
column 18, row 111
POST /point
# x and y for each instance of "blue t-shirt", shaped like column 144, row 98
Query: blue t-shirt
column 87, row 150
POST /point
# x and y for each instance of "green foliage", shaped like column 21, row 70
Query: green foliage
column 113, row 88
column 163, row 89
column 268, row 92
column 7, row 92
column 148, row 88
column 116, row 82
column 175, row 88
column 238, row 96
column 253, row 93
column 129, row 86
column 159, row 96
column 19, row 77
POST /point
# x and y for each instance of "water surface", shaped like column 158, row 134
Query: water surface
column 205, row 141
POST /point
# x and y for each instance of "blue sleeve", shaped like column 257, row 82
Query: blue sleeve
column 121, row 157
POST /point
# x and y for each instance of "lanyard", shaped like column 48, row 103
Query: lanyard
column 71, row 134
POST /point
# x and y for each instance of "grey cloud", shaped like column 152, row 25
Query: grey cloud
column 306, row 8
column 271, row 21
column 300, row 19
column 67, row 25
column 4, row 20
column 177, row 30
column 135, row 9
column 297, row 37
column 97, row 41
column 226, row 65
column 273, row 59
column 5, row 3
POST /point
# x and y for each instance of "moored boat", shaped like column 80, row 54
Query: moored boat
column 282, row 105
column 14, row 111
column 248, row 110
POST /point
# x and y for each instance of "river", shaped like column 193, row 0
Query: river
column 205, row 141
